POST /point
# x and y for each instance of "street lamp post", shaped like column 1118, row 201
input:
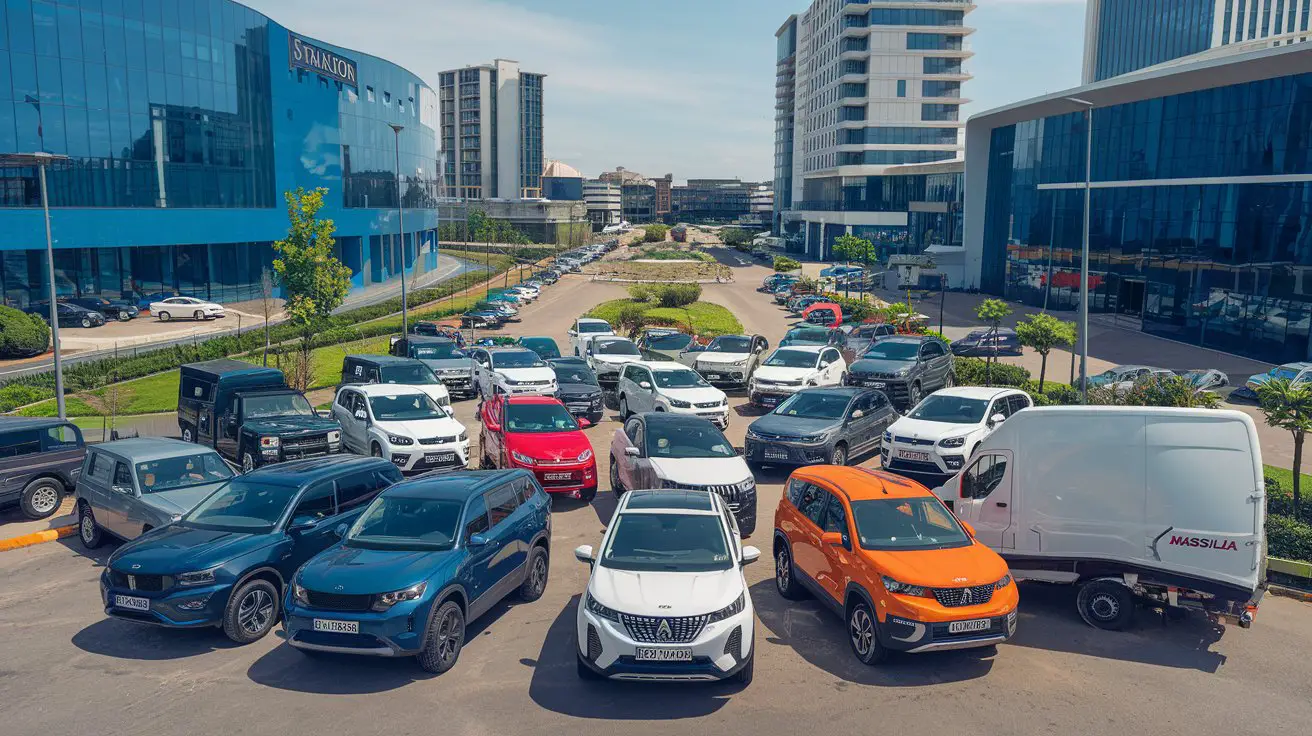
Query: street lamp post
column 400, row 217
column 42, row 160
column 1084, row 249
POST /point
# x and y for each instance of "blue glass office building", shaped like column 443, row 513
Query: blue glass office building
column 1201, row 216
column 184, row 122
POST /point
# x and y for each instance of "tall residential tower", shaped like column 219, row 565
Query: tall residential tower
column 492, row 131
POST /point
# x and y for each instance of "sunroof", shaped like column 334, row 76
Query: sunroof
column 690, row 500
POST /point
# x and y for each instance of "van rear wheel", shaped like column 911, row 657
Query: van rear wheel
column 1106, row 604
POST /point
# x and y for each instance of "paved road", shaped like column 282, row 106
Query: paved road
column 65, row 668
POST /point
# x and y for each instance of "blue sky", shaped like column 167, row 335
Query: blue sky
column 678, row 86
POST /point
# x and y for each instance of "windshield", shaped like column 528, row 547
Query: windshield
column 675, row 341
column 276, row 405
column 807, row 334
column 893, row 350
column 615, row 347
column 792, row 359
column 667, row 543
column 398, row 522
column 242, row 505
column 173, row 473
column 594, row 327
column 539, row 418
column 906, row 523
column 545, row 347
column 950, row 409
column 414, row 374
column 730, row 344
column 1286, row 373
column 575, row 374
column 688, row 440
column 517, row 359
column 814, row 405
column 679, row 379
column 436, row 351
column 404, row 407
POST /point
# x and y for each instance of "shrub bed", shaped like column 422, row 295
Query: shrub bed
column 708, row 320
column 973, row 372
column 22, row 335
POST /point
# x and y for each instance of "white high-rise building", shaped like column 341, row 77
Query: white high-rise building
column 492, row 131
column 868, row 99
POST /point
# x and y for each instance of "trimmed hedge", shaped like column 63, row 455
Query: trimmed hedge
column 1288, row 538
column 972, row 372
column 22, row 335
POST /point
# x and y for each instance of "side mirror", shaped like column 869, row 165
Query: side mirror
column 645, row 385
column 583, row 553
column 632, row 452
column 301, row 524
column 583, row 422
column 996, row 419
column 857, row 414
column 750, row 554
column 572, row 333
column 362, row 415
column 969, row 529
column 831, row 539
column 475, row 541
column 341, row 531
column 125, row 490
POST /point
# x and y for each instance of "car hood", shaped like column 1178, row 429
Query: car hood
column 578, row 389
column 290, row 425
column 180, row 501
column 695, row 395
column 921, row 429
column 780, row 373
column 615, row 359
column 528, row 374
column 1258, row 378
column 793, row 426
column 798, row 342
column 558, row 446
column 701, row 471
column 665, row 593
column 957, row 567
column 449, row 364
column 422, row 428
column 880, row 365
column 179, row 548
column 355, row 571
column 722, row 358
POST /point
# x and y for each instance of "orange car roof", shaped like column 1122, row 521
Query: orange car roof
column 863, row 483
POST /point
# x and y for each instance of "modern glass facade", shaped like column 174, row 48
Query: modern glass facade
column 1201, row 216
column 184, row 122
column 1133, row 34
column 785, row 81
column 531, row 158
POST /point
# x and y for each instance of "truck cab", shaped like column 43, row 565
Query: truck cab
column 250, row 415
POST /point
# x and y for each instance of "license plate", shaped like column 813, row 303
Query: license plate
column 132, row 603
column 877, row 384
column 913, row 455
column 339, row 627
column 769, row 400
column 651, row 654
column 961, row 627
column 558, row 476
column 772, row 453
column 714, row 376
column 440, row 457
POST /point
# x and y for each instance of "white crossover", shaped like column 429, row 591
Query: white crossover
column 672, row 387
column 402, row 424
column 606, row 355
column 511, row 371
column 936, row 438
column 185, row 307
column 730, row 360
column 791, row 369
column 586, row 328
column 667, row 599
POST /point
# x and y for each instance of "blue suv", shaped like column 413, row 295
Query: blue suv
column 427, row 557
column 226, row 562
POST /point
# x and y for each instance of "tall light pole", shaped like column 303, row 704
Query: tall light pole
column 400, row 216
column 1084, row 249
column 42, row 160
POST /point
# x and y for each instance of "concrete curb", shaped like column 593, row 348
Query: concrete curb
column 27, row 540
column 1285, row 592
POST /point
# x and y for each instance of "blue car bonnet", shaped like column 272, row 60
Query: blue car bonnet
column 356, row 571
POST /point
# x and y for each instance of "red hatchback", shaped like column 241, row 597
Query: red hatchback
column 538, row 433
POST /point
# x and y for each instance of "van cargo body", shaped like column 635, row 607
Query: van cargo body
column 1166, row 503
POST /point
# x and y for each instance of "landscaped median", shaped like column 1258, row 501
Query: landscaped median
column 668, row 305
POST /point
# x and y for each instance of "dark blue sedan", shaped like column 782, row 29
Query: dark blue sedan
column 227, row 561
column 427, row 557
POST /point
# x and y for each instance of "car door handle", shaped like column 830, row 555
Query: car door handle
column 1000, row 504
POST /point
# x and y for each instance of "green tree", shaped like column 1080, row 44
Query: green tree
column 313, row 280
column 992, row 311
column 736, row 237
column 851, row 248
column 1288, row 405
column 22, row 335
column 476, row 224
column 1043, row 332
column 784, row 264
column 631, row 318
column 655, row 233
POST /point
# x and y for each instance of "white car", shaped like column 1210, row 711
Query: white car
column 665, row 450
column 936, row 438
column 607, row 354
column 730, row 360
column 402, row 424
column 789, row 370
column 511, row 371
column 185, row 307
column 666, row 598
column 526, row 292
column 586, row 328
column 672, row 387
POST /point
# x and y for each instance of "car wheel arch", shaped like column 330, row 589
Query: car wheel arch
column 453, row 592
column 56, row 476
column 781, row 543
column 263, row 572
column 856, row 592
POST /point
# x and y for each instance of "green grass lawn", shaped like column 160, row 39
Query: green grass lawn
column 1286, row 478
column 707, row 319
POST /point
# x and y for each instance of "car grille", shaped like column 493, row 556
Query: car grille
column 317, row 443
column 145, row 583
column 769, row 382
column 708, row 405
column 912, row 441
column 663, row 630
column 914, row 466
column 957, row 597
column 438, row 440
column 730, row 493
column 338, row 601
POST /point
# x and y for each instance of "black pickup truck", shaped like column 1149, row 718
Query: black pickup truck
column 250, row 415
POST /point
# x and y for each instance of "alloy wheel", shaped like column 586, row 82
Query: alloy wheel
column 450, row 630
column 44, row 499
column 782, row 570
column 87, row 528
column 247, row 463
column 255, row 611
column 1105, row 607
column 539, row 574
column 862, row 630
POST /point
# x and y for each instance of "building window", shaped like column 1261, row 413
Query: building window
column 369, row 93
column 901, row 88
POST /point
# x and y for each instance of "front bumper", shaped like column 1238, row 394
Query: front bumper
column 906, row 634
column 397, row 632
column 896, row 389
column 419, row 458
column 768, row 396
column 584, row 407
column 544, row 389
column 205, row 604
column 724, row 376
column 770, row 451
column 458, row 384
column 568, row 479
column 932, row 466
column 720, row 650
column 298, row 451
column 718, row 416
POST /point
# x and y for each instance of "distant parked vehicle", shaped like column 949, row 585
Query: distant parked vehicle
column 577, row 388
column 906, row 368
column 672, row 387
column 545, row 347
column 1206, row 379
column 863, row 336
column 40, row 460
column 111, row 308
column 1292, row 372
column 388, row 369
column 985, row 343
column 608, row 354
column 184, row 307
column 445, row 357
column 144, row 301
column 789, row 370
column 586, row 328
column 512, row 371
column 828, row 425
column 69, row 315
column 1121, row 374
column 128, row 487
column 729, row 361
column 938, row 436
column 539, row 434
column 665, row 342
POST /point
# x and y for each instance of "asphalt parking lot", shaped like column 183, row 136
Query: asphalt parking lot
column 65, row 668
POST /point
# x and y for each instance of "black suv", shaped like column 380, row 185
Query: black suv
column 905, row 367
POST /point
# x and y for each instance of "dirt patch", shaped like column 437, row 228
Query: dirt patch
column 665, row 272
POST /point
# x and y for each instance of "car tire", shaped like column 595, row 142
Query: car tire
column 87, row 529
column 247, row 462
column 1106, row 604
column 199, row 315
column 913, row 396
column 950, row 380
column 863, row 634
column 838, row 455
column 187, row 434
column 587, row 494
column 86, row 323
column 785, row 576
column 744, row 676
column 616, row 485
column 624, row 407
column 165, row 316
column 41, row 498
column 252, row 611
column 535, row 582
column 584, row 671
column 444, row 639
column 124, row 316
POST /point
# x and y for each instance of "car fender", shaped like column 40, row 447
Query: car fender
column 856, row 589
column 451, row 589
column 260, row 569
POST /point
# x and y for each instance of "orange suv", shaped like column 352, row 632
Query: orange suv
column 885, row 554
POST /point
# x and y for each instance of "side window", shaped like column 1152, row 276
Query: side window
column 99, row 467
column 632, row 429
column 501, row 503
column 525, row 489
column 795, row 488
column 828, row 356
column 984, row 475
column 385, row 477
column 17, row 444
column 835, row 516
column 316, row 502
column 372, row 375
column 878, row 401
column 344, row 399
column 475, row 516
column 812, row 504
column 63, row 437
column 122, row 475
column 1018, row 402
column 1000, row 406
column 356, row 490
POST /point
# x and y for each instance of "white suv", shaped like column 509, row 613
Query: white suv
column 511, row 371
column 606, row 355
column 667, row 599
column 791, row 369
column 586, row 328
column 935, row 440
column 402, row 424
column 671, row 387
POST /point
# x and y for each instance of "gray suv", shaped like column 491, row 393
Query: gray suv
column 905, row 367
column 829, row 425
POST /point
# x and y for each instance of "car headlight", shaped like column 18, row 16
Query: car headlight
column 399, row 440
column 509, row 381
column 299, row 594
column 952, row 442
column 810, row 381
column 387, row 600
column 522, row 458
column 903, row 373
column 334, row 436
column 597, row 609
column 733, row 609
column 752, row 435
column 269, row 442
column 894, row 586
column 680, row 404
column 795, row 382
column 1004, row 582
column 888, row 436
column 198, row 577
column 585, row 456
column 464, row 437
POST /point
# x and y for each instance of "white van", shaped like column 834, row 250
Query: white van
column 1133, row 504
